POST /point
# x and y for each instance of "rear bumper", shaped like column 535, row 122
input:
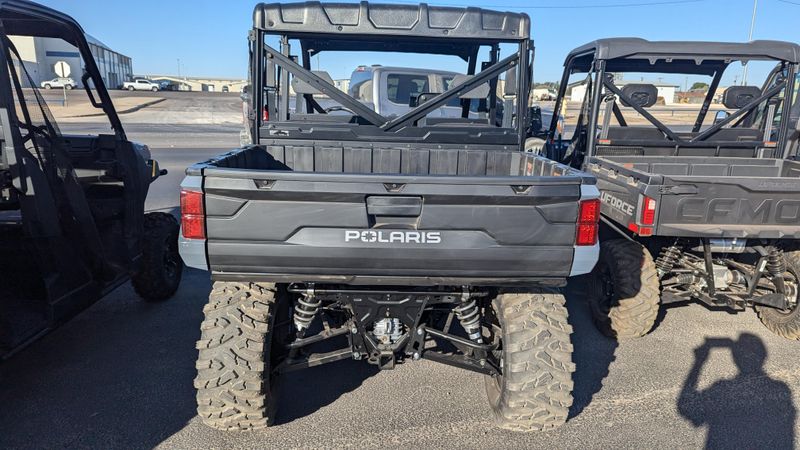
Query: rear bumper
column 365, row 280
column 488, row 265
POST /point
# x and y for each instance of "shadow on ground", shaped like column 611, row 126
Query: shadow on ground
column 593, row 353
column 750, row 407
column 119, row 375
column 306, row 391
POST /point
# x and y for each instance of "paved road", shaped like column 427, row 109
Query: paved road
column 120, row 376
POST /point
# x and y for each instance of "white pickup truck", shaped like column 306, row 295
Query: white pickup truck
column 390, row 90
column 140, row 84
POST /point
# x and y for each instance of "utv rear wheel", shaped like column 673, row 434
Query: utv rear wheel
column 235, row 389
column 534, row 392
column 786, row 323
column 161, row 267
column 624, row 292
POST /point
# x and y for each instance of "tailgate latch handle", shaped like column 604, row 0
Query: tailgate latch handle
column 682, row 189
column 394, row 206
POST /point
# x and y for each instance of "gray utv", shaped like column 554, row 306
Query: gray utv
column 349, row 232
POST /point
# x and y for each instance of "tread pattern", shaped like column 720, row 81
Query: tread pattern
column 637, row 292
column 151, row 281
column 535, row 392
column 233, row 386
column 784, row 325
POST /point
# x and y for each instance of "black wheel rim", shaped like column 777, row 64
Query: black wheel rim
column 606, row 287
column 171, row 258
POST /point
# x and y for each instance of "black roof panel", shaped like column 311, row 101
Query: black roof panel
column 627, row 47
column 376, row 20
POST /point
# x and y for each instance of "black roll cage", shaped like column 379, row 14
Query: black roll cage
column 714, row 65
column 264, row 60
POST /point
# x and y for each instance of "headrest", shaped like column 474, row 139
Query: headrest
column 737, row 96
column 510, row 85
column 644, row 95
column 482, row 91
column 301, row 87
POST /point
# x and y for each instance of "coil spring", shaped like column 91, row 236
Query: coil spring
column 775, row 262
column 305, row 310
column 469, row 316
column 667, row 260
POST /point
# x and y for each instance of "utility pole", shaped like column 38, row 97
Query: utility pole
column 750, row 38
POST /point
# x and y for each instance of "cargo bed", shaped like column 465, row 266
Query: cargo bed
column 386, row 215
column 704, row 196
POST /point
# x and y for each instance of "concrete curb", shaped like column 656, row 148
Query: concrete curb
column 129, row 110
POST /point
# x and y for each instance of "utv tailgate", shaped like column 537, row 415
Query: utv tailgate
column 709, row 197
column 369, row 228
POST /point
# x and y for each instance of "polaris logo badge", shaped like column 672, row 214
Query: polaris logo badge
column 617, row 203
column 393, row 237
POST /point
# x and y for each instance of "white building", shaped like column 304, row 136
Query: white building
column 41, row 54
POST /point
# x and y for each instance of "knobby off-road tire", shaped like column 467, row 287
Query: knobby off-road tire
column 534, row 392
column 161, row 267
column 234, row 386
column 624, row 293
column 785, row 323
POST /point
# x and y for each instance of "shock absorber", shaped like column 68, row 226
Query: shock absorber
column 667, row 260
column 776, row 266
column 305, row 310
column 469, row 315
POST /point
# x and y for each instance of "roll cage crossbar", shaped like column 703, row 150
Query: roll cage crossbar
column 287, row 64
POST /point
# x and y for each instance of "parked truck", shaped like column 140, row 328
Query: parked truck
column 141, row 84
column 72, row 220
column 706, row 211
column 363, row 237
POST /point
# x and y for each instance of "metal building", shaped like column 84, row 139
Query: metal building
column 41, row 54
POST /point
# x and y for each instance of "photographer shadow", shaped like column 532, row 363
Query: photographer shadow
column 750, row 410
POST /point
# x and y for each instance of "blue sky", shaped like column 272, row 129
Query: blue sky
column 209, row 36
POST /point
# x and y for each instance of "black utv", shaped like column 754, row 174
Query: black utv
column 700, row 191
column 72, row 219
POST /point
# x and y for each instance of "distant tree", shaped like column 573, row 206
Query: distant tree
column 699, row 86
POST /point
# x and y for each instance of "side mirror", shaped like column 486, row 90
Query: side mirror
column 416, row 100
column 720, row 116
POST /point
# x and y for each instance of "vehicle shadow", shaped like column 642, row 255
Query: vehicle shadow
column 751, row 407
column 304, row 392
column 593, row 352
column 119, row 375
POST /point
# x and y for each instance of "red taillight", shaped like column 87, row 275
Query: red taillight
column 588, row 218
column 192, row 220
column 265, row 115
column 648, row 211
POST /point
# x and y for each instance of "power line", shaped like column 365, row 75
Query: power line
column 791, row 3
column 608, row 5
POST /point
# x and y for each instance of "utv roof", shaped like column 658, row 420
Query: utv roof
column 372, row 20
column 23, row 18
column 626, row 47
column 684, row 57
